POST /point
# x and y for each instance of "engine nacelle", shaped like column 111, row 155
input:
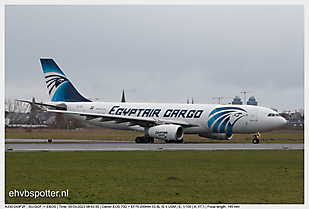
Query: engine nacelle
column 218, row 136
column 166, row 132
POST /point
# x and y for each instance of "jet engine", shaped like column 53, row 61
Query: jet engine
column 218, row 136
column 166, row 132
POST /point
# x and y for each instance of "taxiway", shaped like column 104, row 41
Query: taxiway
column 129, row 146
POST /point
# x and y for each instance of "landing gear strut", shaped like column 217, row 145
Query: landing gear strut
column 256, row 138
column 144, row 139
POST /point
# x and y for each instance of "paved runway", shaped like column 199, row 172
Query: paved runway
column 66, row 141
column 51, row 147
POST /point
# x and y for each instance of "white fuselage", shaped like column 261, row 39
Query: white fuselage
column 209, row 118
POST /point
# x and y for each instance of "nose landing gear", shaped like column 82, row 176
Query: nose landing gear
column 256, row 138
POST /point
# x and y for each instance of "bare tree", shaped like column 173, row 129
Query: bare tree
column 17, row 106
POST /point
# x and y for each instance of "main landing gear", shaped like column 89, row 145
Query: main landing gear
column 144, row 139
column 256, row 138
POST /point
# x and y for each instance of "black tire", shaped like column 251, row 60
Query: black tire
column 256, row 141
column 138, row 139
column 143, row 139
column 146, row 140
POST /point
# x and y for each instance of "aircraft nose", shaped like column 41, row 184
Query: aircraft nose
column 278, row 123
column 282, row 121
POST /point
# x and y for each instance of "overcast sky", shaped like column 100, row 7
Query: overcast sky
column 160, row 54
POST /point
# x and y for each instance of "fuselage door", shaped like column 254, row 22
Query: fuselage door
column 253, row 116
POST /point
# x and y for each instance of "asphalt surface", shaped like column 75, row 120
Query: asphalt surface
column 132, row 146
column 65, row 141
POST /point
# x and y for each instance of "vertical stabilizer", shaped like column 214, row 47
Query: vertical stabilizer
column 60, row 88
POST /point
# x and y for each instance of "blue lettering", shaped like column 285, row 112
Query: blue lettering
column 125, row 111
column 190, row 114
column 167, row 113
column 175, row 113
column 146, row 113
column 139, row 111
column 198, row 113
column 156, row 112
column 172, row 113
column 182, row 113
column 112, row 110
column 149, row 115
column 133, row 111
column 119, row 111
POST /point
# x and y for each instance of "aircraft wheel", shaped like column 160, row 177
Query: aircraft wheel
column 256, row 141
column 138, row 139
column 168, row 141
column 145, row 139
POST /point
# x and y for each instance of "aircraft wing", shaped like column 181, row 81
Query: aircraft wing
column 123, row 119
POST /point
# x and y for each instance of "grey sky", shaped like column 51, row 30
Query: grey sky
column 160, row 53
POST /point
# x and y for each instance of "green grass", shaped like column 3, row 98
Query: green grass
column 142, row 177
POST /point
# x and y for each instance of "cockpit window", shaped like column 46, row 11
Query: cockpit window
column 273, row 115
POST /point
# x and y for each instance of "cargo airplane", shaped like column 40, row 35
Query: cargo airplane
column 167, row 122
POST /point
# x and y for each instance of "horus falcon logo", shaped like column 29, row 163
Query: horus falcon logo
column 53, row 81
column 223, row 119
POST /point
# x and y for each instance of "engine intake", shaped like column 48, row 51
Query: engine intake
column 218, row 136
column 166, row 132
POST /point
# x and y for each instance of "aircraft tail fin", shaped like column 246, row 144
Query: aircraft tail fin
column 60, row 88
